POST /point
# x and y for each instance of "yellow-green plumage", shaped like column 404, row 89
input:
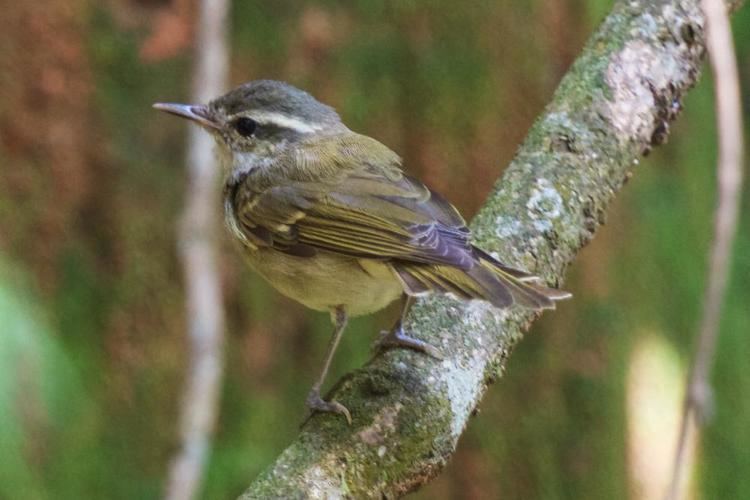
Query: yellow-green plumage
column 345, row 197
column 328, row 217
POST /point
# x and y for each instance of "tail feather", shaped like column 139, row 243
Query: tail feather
column 488, row 280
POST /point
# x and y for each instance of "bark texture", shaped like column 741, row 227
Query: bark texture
column 613, row 106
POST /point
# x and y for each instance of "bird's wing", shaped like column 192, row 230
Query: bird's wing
column 360, row 212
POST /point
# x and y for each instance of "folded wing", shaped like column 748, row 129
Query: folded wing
column 373, row 211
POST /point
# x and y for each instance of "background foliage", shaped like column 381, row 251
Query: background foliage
column 92, row 344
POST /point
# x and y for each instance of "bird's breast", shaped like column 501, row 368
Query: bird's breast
column 327, row 280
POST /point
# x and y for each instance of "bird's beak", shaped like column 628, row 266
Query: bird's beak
column 195, row 112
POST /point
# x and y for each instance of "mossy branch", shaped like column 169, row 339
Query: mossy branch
column 613, row 106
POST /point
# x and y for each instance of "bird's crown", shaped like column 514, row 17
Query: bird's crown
column 275, row 98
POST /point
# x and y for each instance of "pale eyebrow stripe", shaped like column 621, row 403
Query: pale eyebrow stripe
column 285, row 121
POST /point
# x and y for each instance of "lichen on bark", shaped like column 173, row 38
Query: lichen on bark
column 613, row 106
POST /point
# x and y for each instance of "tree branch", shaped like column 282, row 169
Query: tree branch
column 197, row 233
column 409, row 410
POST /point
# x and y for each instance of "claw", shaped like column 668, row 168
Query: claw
column 316, row 403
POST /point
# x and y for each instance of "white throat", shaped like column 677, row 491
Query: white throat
column 236, row 164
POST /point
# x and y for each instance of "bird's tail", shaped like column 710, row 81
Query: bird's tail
column 488, row 280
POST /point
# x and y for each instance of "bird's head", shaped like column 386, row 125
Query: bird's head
column 254, row 122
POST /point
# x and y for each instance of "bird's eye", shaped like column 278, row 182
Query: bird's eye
column 245, row 126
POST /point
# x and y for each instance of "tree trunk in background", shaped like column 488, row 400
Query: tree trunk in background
column 198, row 230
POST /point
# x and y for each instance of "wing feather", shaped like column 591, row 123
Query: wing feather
column 356, row 201
column 359, row 214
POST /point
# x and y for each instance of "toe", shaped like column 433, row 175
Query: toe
column 336, row 407
column 316, row 403
column 389, row 339
column 433, row 352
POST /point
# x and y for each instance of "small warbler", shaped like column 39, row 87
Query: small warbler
column 329, row 219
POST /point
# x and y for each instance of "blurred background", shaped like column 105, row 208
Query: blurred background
column 92, row 325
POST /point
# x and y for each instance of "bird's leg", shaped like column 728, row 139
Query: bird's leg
column 314, row 401
column 395, row 337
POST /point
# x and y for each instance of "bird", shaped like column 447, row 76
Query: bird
column 330, row 219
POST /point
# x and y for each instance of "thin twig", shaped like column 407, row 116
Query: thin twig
column 698, row 398
column 197, row 233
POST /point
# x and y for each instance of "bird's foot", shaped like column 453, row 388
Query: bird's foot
column 316, row 403
column 396, row 337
